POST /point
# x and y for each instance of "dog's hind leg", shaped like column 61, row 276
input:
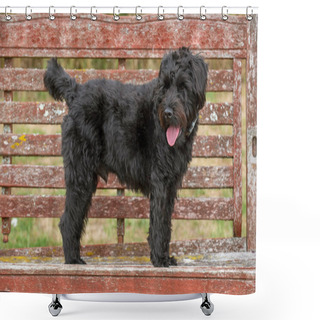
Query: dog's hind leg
column 72, row 224
column 81, row 182
column 161, row 208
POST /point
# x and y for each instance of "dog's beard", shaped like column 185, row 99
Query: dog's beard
column 172, row 135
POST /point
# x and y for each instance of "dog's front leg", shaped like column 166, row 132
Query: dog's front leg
column 161, row 208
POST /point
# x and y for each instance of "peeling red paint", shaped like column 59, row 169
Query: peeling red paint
column 34, row 176
column 237, row 147
column 119, row 207
column 127, row 38
column 53, row 113
column 19, row 79
column 198, row 246
column 50, row 145
column 251, row 118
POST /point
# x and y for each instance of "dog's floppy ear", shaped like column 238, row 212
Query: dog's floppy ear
column 200, row 75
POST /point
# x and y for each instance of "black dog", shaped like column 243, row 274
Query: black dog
column 142, row 133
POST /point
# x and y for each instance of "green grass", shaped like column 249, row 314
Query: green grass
column 31, row 232
column 28, row 233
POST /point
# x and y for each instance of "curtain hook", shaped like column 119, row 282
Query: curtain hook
column 73, row 16
column 180, row 15
column 28, row 16
column 224, row 14
column 8, row 17
column 116, row 16
column 138, row 16
column 249, row 16
column 160, row 16
column 51, row 16
column 93, row 17
column 203, row 15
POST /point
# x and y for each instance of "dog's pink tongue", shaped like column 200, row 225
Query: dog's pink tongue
column 172, row 135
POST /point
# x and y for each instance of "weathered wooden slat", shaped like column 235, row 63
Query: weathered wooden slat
column 122, row 271
column 117, row 53
column 251, row 121
column 42, row 177
column 19, row 79
column 215, row 114
column 7, row 128
column 53, row 113
column 213, row 146
column 181, row 247
column 32, row 176
column 32, row 112
column 136, row 279
column 208, row 177
column 126, row 38
column 230, row 272
column 237, row 159
column 50, row 145
column 137, row 249
column 30, row 145
column 116, row 207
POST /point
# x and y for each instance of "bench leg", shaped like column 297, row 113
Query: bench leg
column 206, row 305
column 55, row 306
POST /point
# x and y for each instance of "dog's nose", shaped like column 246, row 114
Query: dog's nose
column 168, row 112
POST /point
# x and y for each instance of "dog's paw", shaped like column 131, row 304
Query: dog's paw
column 160, row 263
column 172, row 261
column 164, row 262
column 75, row 261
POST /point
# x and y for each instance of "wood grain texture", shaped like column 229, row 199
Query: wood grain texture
column 125, row 39
column 7, row 160
column 237, row 159
column 134, row 280
column 34, row 176
column 194, row 247
column 116, row 207
column 53, row 113
column 19, row 79
column 229, row 273
column 251, row 118
column 50, row 145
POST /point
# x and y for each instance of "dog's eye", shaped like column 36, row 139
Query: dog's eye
column 166, row 82
column 181, row 84
column 172, row 75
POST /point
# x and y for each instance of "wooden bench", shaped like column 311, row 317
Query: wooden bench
column 204, row 265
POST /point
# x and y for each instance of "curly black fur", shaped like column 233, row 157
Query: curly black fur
column 130, row 130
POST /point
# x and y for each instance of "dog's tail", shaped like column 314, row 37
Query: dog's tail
column 59, row 84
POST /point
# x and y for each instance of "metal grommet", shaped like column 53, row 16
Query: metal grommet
column 180, row 15
column 249, row 16
column 203, row 15
column 116, row 16
column 72, row 16
column 51, row 16
column 160, row 16
column 93, row 17
column 8, row 17
column 28, row 16
column 224, row 13
column 138, row 16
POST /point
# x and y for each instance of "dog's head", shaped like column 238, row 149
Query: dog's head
column 180, row 92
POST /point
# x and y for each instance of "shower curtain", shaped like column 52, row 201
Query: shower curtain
column 214, row 219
